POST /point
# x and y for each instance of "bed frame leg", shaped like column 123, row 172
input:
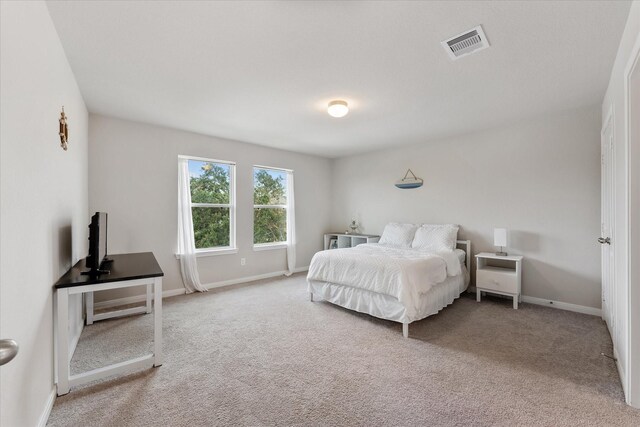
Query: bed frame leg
column 311, row 296
column 405, row 330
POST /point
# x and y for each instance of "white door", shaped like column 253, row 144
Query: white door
column 633, row 302
column 606, row 228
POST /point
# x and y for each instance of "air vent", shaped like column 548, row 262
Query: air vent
column 466, row 43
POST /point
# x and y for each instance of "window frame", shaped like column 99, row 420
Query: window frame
column 218, row 250
column 272, row 245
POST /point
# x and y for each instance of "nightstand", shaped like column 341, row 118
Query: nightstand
column 499, row 275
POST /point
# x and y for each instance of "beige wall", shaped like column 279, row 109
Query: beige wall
column 43, row 215
column 539, row 178
column 133, row 176
column 625, row 306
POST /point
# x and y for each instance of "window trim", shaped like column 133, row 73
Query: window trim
column 272, row 168
column 206, row 159
column 218, row 250
column 222, row 250
column 271, row 245
column 271, row 206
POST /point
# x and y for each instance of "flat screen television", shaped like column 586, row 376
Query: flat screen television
column 97, row 259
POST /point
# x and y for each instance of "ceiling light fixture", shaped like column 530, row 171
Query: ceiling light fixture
column 338, row 108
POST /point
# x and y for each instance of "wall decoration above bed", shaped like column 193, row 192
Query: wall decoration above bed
column 409, row 181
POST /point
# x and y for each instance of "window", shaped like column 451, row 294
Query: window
column 212, row 203
column 270, row 206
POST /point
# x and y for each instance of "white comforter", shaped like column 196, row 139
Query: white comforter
column 401, row 273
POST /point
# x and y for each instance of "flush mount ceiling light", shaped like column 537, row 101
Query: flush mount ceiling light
column 338, row 108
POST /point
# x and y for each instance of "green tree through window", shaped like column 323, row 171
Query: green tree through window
column 269, row 206
column 211, row 203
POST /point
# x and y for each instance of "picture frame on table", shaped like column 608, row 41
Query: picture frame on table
column 333, row 243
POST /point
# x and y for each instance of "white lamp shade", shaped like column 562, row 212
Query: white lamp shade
column 500, row 237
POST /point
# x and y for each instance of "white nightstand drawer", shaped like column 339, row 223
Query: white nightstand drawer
column 497, row 280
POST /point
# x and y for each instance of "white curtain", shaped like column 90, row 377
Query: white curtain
column 186, row 241
column 291, row 226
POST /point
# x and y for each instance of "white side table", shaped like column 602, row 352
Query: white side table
column 499, row 275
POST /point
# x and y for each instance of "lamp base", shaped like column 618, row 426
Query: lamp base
column 501, row 254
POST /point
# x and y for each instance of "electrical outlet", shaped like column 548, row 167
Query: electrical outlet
column 243, row 261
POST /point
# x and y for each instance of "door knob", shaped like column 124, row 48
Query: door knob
column 8, row 350
column 604, row 240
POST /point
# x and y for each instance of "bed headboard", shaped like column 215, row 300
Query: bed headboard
column 465, row 245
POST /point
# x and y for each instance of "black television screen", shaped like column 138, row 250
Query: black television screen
column 102, row 245
column 97, row 243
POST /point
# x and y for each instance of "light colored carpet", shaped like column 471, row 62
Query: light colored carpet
column 262, row 354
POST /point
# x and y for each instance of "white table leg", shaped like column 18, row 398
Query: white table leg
column 478, row 295
column 149, row 297
column 157, row 322
column 405, row 330
column 515, row 302
column 88, row 302
column 62, row 332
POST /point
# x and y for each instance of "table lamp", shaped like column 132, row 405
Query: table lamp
column 500, row 239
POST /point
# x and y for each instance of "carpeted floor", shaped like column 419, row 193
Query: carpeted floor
column 262, row 354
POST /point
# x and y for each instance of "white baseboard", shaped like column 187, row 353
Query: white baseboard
column 224, row 283
column 174, row 292
column 556, row 304
column 44, row 417
column 563, row 305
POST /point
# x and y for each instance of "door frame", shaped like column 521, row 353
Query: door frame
column 607, row 149
column 632, row 227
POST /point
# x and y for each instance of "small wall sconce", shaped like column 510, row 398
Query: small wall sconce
column 64, row 132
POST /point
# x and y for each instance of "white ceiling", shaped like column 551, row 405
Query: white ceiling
column 263, row 72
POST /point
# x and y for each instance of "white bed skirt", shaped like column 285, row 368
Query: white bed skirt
column 387, row 307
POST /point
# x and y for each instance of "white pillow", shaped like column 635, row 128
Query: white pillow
column 435, row 238
column 398, row 235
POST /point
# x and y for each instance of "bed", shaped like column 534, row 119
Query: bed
column 396, row 280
